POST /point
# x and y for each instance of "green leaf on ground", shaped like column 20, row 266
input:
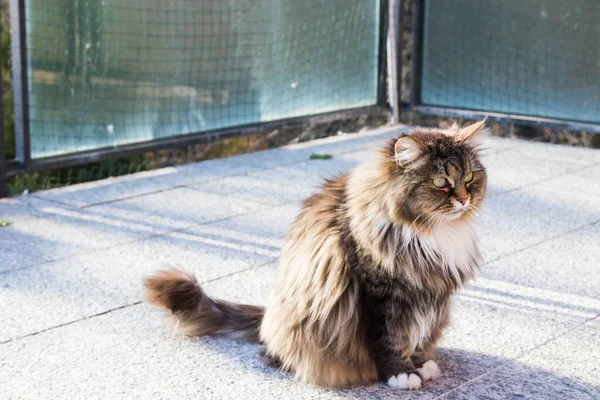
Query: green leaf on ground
column 4, row 223
column 320, row 156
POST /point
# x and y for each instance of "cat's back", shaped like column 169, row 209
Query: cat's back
column 323, row 211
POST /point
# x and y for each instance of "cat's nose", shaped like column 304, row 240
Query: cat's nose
column 462, row 200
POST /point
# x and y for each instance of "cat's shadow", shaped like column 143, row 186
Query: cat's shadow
column 465, row 375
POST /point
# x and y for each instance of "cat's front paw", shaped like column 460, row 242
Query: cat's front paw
column 430, row 371
column 405, row 381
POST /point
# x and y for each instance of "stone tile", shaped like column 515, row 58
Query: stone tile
column 575, row 354
column 13, row 260
column 496, row 144
column 273, row 158
column 33, row 300
column 516, row 220
column 508, row 170
column 554, row 152
column 107, row 190
column 273, row 186
column 285, row 184
column 567, row 264
column 178, row 208
column 202, row 171
column 21, row 208
column 585, row 180
column 267, row 226
column 263, row 382
column 515, row 381
column 501, row 324
column 300, row 152
column 63, row 232
column 128, row 353
column 45, row 296
column 209, row 254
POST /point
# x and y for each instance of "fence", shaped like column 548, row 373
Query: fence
column 534, row 62
column 94, row 80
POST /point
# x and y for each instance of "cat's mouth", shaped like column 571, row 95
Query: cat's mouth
column 454, row 214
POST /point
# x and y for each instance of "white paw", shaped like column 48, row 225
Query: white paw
column 430, row 371
column 405, row 381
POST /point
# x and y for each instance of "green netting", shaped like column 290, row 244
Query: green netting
column 105, row 73
column 536, row 58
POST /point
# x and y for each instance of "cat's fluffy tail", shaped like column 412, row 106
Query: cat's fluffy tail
column 196, row 313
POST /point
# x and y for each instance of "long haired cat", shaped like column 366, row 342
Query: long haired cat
column 367, row 272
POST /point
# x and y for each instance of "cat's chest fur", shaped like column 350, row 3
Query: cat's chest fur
column 451, row 247
column 437, row 262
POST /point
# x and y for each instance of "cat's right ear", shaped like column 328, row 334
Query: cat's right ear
column 407, row 150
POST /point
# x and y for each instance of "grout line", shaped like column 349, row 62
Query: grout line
column 70, row 322
column 567, row 232
column 53, row 201
column 468, row 382
column 135, row 303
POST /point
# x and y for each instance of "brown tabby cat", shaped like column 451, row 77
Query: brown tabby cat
column 367, row 272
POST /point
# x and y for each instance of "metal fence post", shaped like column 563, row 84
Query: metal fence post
column 3, row 171
column 20, row 82
column 394, row 59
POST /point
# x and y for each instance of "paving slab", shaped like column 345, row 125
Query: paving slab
column 203, row 171
column 288, row 183
column 269, row 225
column 22, row 208
column 45, row 296
column 575, row 354
column 515, row 220
column 173, row 209
column 512, row 169
column 545, row 266
column 126, row 354
column 106, row 190
column 516, row 381
column 552, row 152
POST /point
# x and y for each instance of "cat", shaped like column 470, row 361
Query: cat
column 368, row 270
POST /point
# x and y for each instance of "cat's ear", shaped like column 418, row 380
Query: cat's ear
column 407, row 150
column 474, row 134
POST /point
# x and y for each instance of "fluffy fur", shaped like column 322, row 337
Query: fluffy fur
column 366, row 276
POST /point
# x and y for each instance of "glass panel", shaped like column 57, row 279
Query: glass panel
column 105, row 73
column 535, row 57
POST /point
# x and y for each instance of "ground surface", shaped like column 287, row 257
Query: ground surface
column 72, row 325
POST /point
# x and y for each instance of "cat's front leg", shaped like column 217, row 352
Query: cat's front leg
column 427, row 368
column 394, row 365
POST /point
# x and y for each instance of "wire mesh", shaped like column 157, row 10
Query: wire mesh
column 108, row 73
column 536, row 58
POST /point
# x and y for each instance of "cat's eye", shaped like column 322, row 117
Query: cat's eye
column 440, row 182
column 469, row 177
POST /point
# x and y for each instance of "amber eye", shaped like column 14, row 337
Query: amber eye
column 469, row 177
column 440, row 182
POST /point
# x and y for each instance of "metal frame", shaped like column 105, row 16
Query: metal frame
column 24, row 163
column 190, row 139
column 418, row 106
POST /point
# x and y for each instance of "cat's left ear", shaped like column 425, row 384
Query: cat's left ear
column 408, row 149
column 474, row 135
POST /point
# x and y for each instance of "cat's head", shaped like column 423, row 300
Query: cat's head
column 436, row 175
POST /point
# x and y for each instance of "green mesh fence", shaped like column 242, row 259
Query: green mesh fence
column 537, row 58
column 111, row 72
